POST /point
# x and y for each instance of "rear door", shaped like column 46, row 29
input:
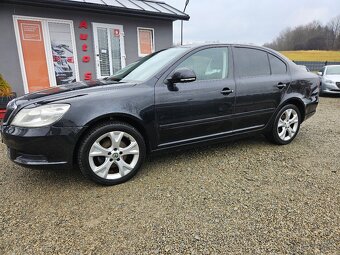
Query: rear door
column 198, row 109
column 261, row 80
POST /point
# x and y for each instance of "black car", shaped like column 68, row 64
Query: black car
column 181, row 96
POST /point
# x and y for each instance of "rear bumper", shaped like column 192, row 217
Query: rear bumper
column 46, row 146
column 310, row 106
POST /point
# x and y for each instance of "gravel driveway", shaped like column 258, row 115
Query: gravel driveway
column 243, row 197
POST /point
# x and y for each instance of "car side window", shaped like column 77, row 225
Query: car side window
column 277, row 65
column 208, row 64
column 251, row 62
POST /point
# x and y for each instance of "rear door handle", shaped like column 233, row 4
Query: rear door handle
column 226, row 91
column 281, row 85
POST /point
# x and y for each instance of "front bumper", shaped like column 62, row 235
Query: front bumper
column 327, row 88
column 40, row 146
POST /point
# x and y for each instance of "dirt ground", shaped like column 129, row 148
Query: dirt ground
column 242, row 197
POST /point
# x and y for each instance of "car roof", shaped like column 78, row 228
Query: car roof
column 197, row 46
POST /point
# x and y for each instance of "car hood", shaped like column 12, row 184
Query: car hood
column 71, row 90
column 335, row 78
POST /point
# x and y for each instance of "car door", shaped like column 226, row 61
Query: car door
column 261, row 80
column 199, row 109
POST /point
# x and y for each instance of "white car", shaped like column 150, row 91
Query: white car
column 330, row 79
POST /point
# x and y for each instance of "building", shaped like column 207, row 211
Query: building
column 46, row 43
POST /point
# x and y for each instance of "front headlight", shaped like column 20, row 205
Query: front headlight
column 40, row 116
column 329, row 81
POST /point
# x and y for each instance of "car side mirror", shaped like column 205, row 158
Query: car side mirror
column 183, row 75
column 319, row 73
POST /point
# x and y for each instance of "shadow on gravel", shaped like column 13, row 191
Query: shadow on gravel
column 330, row 96
column 72, row 176
column 192, row 152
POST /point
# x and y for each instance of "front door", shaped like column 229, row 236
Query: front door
column 200, row 109
column 109, row 49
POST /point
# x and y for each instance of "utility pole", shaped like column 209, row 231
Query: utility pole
column 185, row 7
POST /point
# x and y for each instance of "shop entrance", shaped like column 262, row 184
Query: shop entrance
column 109, row 48
column 47, row 52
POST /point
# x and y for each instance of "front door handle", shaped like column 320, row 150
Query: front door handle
column 281, row 85
column 226, row 91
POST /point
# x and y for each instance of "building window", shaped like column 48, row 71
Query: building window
column 146, row 41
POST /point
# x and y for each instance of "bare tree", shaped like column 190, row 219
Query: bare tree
column 334, row 25
column 313, row 36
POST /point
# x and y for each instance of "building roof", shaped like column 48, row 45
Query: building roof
column 144, row 8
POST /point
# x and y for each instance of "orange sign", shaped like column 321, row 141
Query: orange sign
column 33, row 50
column 145, row 41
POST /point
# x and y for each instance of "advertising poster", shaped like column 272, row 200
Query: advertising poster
column 62, row 52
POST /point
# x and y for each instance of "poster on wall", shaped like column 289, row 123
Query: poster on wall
column 33, row 54
column 62, row 52
column 145, row 41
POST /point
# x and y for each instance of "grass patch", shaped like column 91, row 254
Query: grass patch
column 313, row 55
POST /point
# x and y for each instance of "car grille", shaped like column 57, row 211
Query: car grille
column 338, row 84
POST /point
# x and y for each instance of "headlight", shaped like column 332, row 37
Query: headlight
column 40, row 116
column 329, row 82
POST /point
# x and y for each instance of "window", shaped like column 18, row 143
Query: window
column 150, row 66
column 208, row 64
column 146, row 41
column 333, row 70
column 251, row 62
column 277, row 66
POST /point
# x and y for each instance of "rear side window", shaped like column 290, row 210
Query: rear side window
column 251, row 62
column 277, row 65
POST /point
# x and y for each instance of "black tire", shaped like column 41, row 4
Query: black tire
column 93, row 135
column 273, row 135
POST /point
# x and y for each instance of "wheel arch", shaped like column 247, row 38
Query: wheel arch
column 298, row 103
column 295, row 101
column 129, row 119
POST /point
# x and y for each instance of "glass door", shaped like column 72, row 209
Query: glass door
column 47, row 52
column 109, row 49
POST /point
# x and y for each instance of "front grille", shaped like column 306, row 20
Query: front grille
column 338, row 84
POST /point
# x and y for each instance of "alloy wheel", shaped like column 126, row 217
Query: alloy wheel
column 288, row 124
column 114, row 155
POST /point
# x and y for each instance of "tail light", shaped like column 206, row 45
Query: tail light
column 70, row 60
column 56, row 58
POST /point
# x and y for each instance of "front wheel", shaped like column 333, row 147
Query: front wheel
column 286, row 125
column 111, row 153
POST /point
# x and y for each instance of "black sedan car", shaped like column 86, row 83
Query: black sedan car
column 181, row 96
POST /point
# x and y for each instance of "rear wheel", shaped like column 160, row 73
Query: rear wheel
column 111, row 153
column 286, row 125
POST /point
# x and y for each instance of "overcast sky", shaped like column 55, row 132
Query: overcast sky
column 248, row 21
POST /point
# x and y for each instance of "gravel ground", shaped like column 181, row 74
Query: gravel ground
column 244, row 197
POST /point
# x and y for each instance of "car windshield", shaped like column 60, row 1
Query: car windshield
column 150, row 66
column 117, row 76
column 333, row 70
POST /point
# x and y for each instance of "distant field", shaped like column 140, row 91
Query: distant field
column 313, row 55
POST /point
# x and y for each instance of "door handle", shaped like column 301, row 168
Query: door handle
column 226, row 91
column 281, row 85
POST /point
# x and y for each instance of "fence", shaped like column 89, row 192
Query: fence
column 315, row 66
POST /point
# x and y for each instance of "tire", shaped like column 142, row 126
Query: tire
column 111, row 153
column 285, row 128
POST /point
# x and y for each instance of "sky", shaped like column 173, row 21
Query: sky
column 248, row 21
